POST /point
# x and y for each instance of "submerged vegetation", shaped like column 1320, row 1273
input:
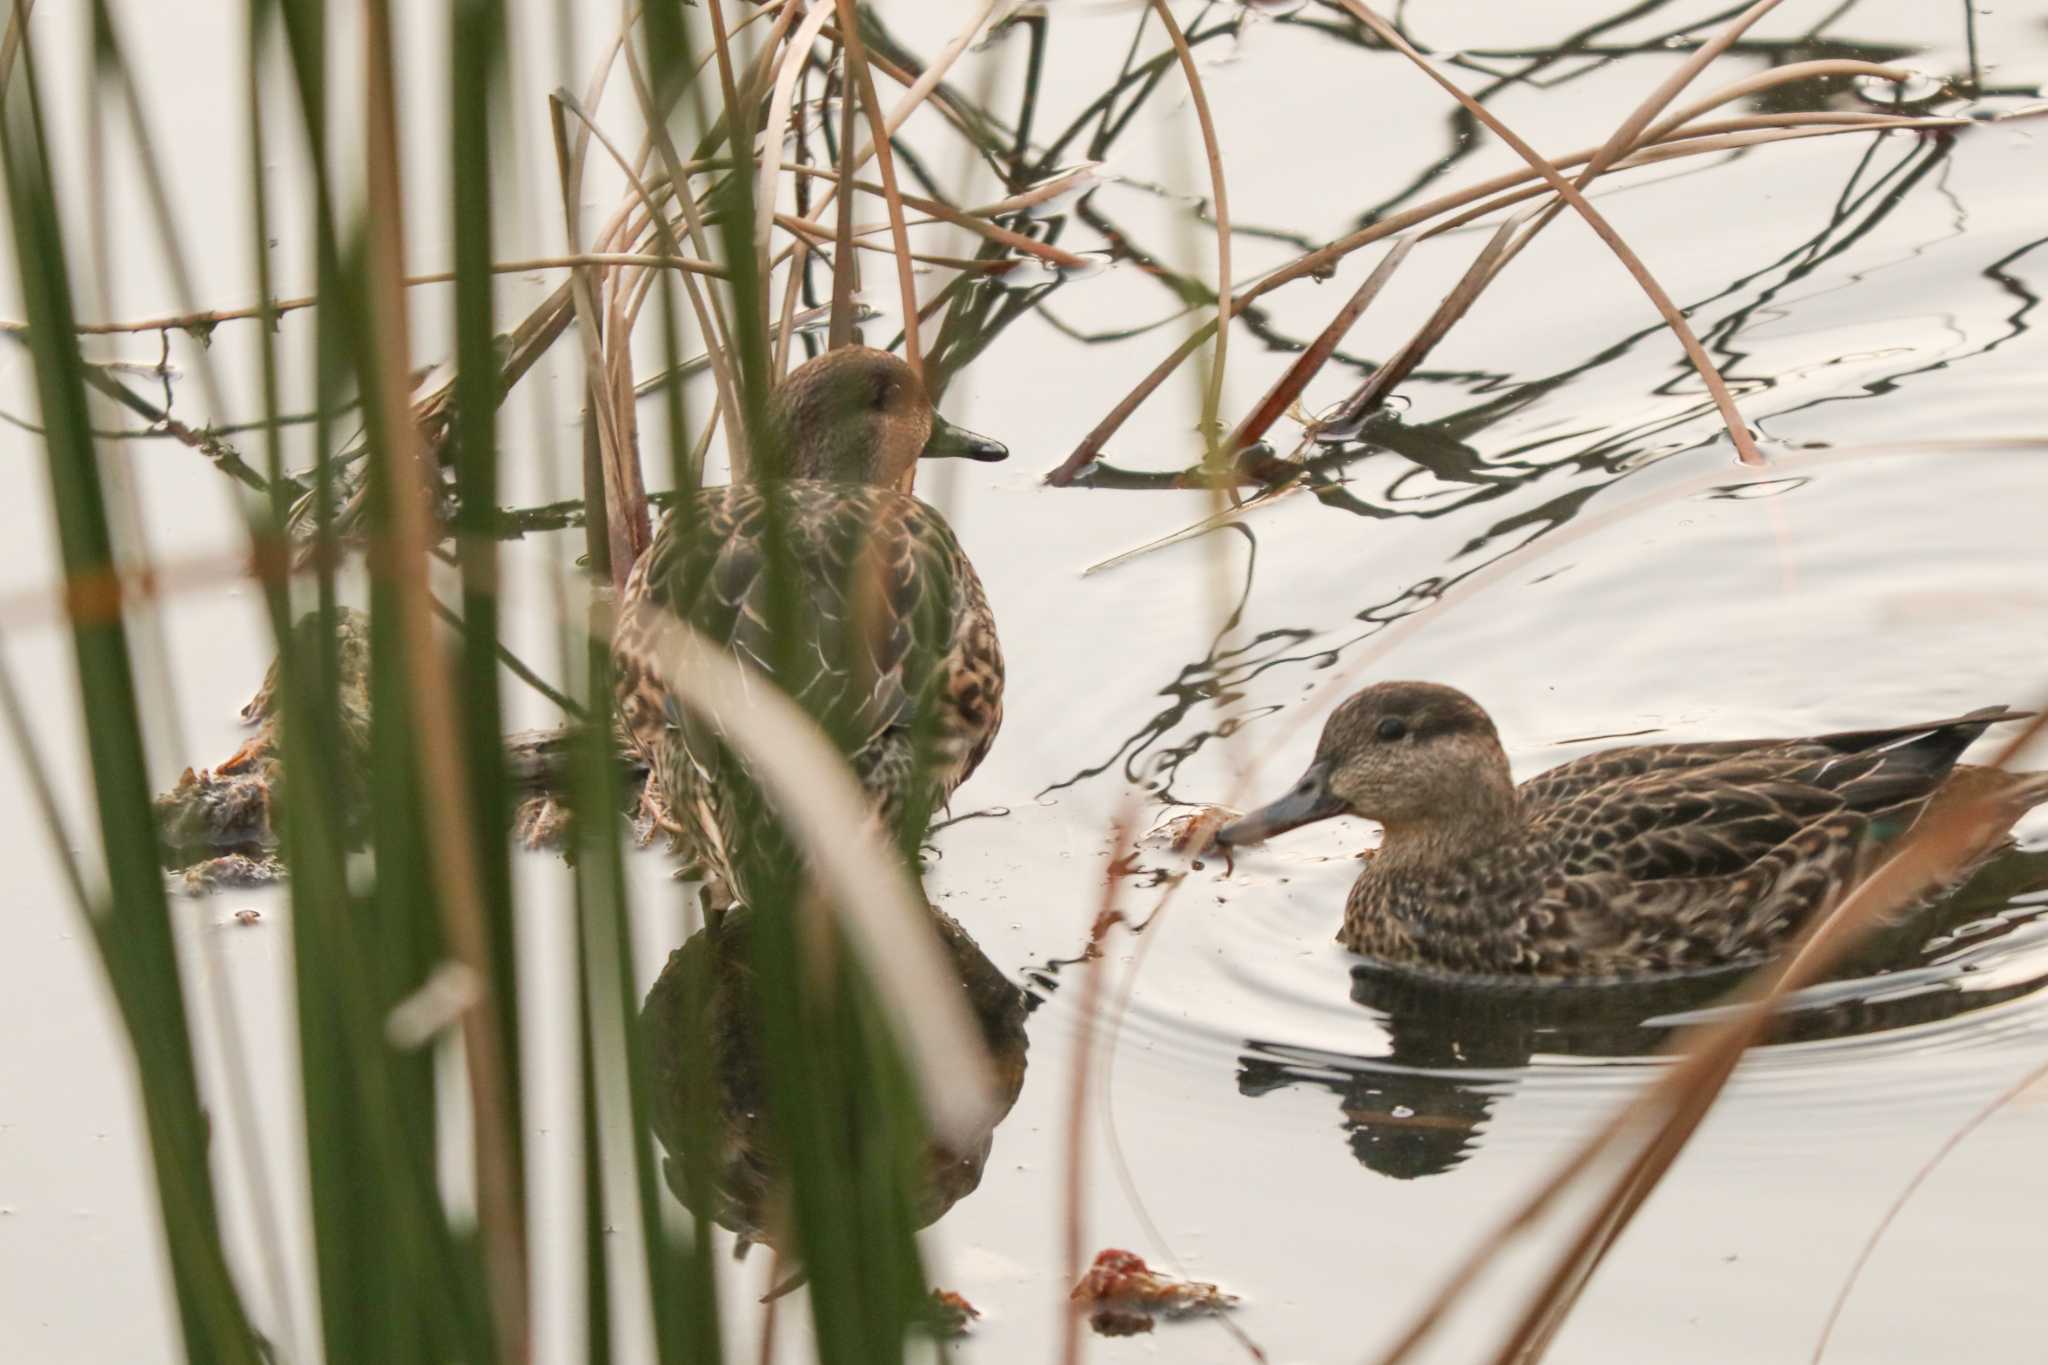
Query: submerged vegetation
column 821, row 1069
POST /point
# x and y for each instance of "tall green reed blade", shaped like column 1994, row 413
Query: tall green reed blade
column 597, row 1281
column 395, row 1282
column 685, row 1278
column 134, row 933
column 476, row 79
column 681, row 1278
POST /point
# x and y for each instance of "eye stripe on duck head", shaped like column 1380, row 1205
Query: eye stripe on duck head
column 1396, row 712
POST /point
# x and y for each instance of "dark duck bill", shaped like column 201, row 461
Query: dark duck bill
column 948, row 441
column 1310, row 800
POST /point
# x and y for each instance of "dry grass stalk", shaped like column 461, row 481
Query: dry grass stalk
column 713, row 323
column 916, row 93
column 843, row 266
column 974, row 220
column 795, row 57
column 801, row 228
column 1769, row 80
column 1626, row 134
column 854, row 61
column 206, row 319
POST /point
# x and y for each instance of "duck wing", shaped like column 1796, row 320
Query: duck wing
column 1708, row 810
column 1691, row 856
column 879, row 597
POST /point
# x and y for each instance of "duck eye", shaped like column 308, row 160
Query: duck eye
column 1392, row 727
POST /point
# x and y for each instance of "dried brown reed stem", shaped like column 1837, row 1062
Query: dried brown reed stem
column 1074, row 1241
column 1631, row 134
column 1673, row 139
column 1673, row 318
column 796, row 56
column 1323, row 258
column 1212, row 398
column 1626, row 134
column 801, row 227
column 626, row 531
column 917, row 91
column 1768, row 80
column 209, row 318
column 611, row 377
column 1289, row 386
column 436, row 720
column 854, row 61
column 974, row 220
column 843, row 264
column 1727, row 135
column 1380, row 384
column 1898, row 1205
column 712, row 322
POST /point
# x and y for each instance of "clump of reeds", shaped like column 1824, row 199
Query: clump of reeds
column 741, row 187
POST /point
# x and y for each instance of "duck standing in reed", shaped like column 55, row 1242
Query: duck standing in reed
column 829, row 574
column 1630, row 863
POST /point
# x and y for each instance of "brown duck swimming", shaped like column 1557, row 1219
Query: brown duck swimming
column 891, row 633
column 1629, row 863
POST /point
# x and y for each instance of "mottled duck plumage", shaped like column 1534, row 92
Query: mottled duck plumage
column 890, row 641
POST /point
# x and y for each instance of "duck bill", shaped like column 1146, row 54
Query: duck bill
column 1310, row 801
column 949, row 441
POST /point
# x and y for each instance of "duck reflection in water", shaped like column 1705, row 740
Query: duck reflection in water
column 1454, row 1052
column 744, row 1171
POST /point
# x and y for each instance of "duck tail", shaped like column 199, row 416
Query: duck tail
column 1936, row 743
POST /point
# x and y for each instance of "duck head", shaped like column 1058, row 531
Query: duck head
column 1416, row 757
column 858, row 415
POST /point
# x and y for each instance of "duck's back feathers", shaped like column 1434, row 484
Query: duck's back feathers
column 1655, row 812
column 890, row 640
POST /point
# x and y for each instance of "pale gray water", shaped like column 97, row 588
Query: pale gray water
column 1890, row 563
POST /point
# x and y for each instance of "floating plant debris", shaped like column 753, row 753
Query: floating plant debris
column 1128, row 1296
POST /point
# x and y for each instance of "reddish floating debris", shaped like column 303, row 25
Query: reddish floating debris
column 951, row 1313
column 1128, row 1294
column 1120, row 1322
column 1191, row 834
